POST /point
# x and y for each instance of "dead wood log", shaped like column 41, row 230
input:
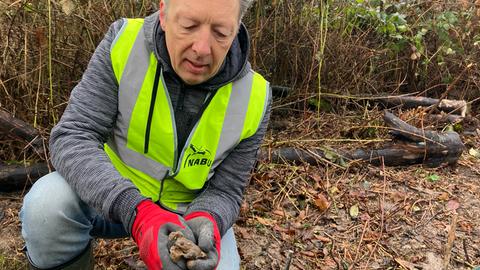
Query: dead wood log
column 411, row 146
column 445, row 118
column 290, row 154
column 17, row 177
column 459, row 107
column 14, row 127
column 280, row 91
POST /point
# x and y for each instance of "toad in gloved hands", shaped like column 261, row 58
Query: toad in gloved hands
column 151, row 229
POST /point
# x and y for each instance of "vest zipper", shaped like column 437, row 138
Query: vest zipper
column 181, row 97
column 180, row 101
column 175, row 142
column 152, row 106
column 192, row 128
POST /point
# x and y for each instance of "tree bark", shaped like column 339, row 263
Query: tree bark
column 17, row 177
column 17, row 128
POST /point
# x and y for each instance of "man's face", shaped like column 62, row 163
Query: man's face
column 198, row 35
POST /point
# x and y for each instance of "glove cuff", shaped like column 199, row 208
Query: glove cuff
column 140, row 211
column 199, row 214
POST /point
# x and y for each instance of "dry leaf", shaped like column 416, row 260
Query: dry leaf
column 465, row 226
column 415, row 56
column 444, row 196
column 321, row 202
column 323, row 239
column 433, row 262
column 279, row 212
column 302, row 215
column 405, row 264
column 365, row 217
column 465, row 4
column 334, row 190
column 316, row 177
column 68, row 6
column 243, row 232
column 288, row 231
column 398, row 196
column 452, row 205
column 265, row 221
column 354, row 211
column 474, row 152
column 135, row 264
column 308, row 253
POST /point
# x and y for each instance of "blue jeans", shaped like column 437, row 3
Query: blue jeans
column 57, row 226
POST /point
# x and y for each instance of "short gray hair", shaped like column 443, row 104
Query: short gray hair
column 244, row 5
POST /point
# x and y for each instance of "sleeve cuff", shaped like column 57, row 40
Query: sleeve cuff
column 124, row 207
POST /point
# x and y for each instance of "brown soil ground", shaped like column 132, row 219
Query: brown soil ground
column 330, row 216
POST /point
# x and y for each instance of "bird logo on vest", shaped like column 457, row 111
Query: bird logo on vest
column 198, row 156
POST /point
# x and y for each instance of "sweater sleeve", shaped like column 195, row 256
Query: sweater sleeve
column 77, row 141
column 223, row 195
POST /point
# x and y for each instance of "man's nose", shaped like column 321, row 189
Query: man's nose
column 202, row 43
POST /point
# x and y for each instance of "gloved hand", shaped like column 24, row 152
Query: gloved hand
column 208, row 238
column 150, row 230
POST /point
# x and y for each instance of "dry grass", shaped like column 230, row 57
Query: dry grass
column 45, row 48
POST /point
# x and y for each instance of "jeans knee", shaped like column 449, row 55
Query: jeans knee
column 46, row 207
column 56, row 224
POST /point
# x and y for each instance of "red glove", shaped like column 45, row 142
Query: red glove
column 208, row 238
column 150, row 231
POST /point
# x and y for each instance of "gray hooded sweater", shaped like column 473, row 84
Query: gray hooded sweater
column 76, row 142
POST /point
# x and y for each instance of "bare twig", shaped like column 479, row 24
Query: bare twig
column 467, row 258
column 359, row 244
column 289, row 260
column 449, row 88
column 450, row 240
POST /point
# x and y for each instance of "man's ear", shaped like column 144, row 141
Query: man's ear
column 162, row 14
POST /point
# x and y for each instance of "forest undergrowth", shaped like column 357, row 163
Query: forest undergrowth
column 333, row 59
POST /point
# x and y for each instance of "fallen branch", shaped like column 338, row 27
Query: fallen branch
column 17, row 128
column 412, row 146
column 17, row 177
column 450, row 240
column 445, row 118
column 459, row 107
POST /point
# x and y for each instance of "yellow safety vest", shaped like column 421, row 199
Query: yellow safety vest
column 143, row 147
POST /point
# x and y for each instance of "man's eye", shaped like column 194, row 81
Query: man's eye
column 220, row 34
column 188, row 27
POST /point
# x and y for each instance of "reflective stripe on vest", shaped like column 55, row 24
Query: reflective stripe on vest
column 143, row 147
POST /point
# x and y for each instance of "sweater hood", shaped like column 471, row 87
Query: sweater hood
column 234, row 66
